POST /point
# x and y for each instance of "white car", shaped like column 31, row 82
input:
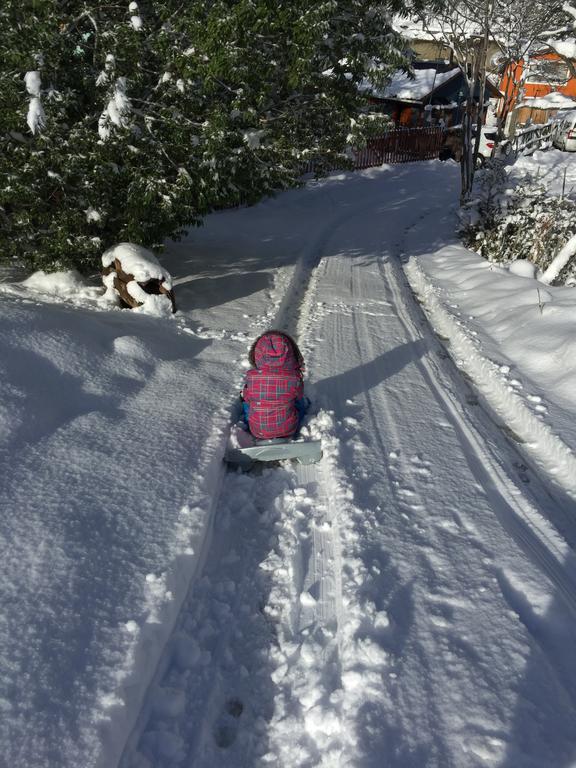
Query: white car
column 488, row 140
column 564, row 136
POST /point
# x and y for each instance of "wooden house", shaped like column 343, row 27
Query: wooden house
column 535, row 89
column 436, row 95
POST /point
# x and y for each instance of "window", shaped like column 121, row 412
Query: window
column 547, row 71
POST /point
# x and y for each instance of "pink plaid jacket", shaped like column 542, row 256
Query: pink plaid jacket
column 272, row 388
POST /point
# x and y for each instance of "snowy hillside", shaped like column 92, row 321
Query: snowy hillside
column 409, row 601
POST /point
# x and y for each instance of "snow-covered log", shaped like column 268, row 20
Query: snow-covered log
column 138, row 278
column 560, row 261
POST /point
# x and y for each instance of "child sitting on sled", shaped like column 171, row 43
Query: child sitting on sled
column 273, row 401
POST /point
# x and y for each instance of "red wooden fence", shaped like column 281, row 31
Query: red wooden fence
column 399, row 145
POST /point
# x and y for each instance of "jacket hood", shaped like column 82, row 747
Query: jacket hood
column 274, row 351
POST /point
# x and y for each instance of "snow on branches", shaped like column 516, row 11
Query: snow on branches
column 36, row 118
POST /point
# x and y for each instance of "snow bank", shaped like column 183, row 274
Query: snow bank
column 107, row 483
column 522, row 268
column 549, row 167
column 55, row 283
column 497, row 322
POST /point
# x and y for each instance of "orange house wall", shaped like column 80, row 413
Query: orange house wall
column 513, row 74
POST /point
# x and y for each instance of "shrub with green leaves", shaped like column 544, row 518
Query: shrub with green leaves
column 131, row 122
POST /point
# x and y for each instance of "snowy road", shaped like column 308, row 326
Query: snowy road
column 408, row 601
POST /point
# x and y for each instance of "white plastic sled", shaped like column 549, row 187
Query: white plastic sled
column 244, row 450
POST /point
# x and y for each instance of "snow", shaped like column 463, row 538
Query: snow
column 150, row 304
column 56, row 283
column 92, row 214
column 566, row 48
column 559, row 262
column 555, row 169
column 408, row 601
column 137, row 261
column 117, row 110
column 406, row 88
column 554, row 100
column 253, row 138
column 415, row 29
column 136, row 22
column 33, row 83
column 36, row 118
column 522, row 268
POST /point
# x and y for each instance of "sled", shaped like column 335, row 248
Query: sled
column 244, row 450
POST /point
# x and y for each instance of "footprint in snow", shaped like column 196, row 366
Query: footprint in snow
column 420, row 466
column 226, row 727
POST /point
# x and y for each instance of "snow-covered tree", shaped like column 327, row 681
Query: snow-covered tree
column 562, row 37
column 128, row 122
column 90, row 155
column 517, row 26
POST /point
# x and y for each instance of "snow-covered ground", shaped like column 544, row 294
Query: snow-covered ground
column 555, row 169
column 409, row 601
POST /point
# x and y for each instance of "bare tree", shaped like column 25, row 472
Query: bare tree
column 463, row 26
column 516, row 27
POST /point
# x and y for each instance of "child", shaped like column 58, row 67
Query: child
column 273, row 396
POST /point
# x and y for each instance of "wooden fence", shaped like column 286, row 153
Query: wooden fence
column 399, row 145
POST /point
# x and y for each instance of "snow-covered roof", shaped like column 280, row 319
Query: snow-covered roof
column 406, row 88
column 434, row 29
column 554, row 100
column 566, row 48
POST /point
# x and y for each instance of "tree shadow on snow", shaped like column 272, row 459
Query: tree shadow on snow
column 48, row 397
column 213, row 291
column 369, row 375
column 278, row 230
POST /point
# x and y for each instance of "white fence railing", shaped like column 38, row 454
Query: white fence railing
column 527, row 140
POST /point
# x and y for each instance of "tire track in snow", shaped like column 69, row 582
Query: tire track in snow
column 430, row 542
column 514, row 505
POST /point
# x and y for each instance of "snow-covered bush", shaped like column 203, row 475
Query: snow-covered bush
column 525, row 222
column 121, row 123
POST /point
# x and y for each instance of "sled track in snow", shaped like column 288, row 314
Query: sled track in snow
column 270, row 593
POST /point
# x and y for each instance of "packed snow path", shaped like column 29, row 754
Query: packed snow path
column 408, row 601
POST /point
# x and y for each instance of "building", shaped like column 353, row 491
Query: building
column 427, row 44
column 535, row 89
column 436, row 95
